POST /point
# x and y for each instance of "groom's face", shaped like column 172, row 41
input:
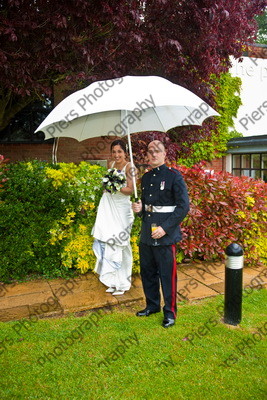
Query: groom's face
column 156, row 154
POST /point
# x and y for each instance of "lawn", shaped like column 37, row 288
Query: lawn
column 111, row 354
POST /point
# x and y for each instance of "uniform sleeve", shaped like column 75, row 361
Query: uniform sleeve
column 140, row 214
column 182, row 205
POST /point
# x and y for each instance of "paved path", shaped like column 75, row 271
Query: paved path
column 58, row 297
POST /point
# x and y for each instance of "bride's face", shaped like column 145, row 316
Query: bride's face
column 118, row 154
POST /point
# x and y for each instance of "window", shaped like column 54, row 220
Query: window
column 21, row 128
column 253, row 165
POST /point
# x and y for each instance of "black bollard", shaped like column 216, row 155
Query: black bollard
column 233, row 284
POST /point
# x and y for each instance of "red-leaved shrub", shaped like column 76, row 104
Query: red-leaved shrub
column 224, row 209
column 2, row 167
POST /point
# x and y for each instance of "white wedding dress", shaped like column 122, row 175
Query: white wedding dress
column 112, row 246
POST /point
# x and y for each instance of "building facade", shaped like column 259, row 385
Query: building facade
column 247, row 155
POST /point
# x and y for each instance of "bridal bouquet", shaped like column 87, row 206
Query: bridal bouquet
column 113, row 180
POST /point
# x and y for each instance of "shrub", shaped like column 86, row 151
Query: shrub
column 47, row 212
column 224, row 209
column 43, row 206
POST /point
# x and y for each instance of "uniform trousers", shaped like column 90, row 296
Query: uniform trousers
column 158, row 265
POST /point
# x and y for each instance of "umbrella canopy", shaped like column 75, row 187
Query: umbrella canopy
column 153, row 104
column 121, row 106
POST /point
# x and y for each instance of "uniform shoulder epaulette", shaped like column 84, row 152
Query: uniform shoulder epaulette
column 147, row 172
column 174, row 170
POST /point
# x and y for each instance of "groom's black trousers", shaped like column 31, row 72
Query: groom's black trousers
column 158, row 265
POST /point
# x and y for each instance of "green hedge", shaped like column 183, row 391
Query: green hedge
column 47, row 212
column 43, row 207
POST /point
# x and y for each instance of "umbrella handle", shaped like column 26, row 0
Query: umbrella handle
column 130, row 153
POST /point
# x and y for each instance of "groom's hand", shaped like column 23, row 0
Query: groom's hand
column 158, row 233
column 137, row 206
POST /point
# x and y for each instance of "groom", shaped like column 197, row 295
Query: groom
column 164, row 202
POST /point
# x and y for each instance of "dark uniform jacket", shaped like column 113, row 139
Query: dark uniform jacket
column 163, row 186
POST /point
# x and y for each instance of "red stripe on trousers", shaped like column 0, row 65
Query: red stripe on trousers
column 174, row 274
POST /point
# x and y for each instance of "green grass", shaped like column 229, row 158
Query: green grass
column 160, row 366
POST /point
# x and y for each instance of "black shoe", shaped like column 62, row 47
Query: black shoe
column 146, row 312
column 167, row 322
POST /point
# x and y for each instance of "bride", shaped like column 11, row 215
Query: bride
column 112, row 228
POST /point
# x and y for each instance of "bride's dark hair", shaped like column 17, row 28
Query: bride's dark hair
column 119, row 142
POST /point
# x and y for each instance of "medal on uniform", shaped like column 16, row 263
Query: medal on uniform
column 162, row 185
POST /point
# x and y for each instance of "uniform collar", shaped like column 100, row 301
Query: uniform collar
column 159, row 169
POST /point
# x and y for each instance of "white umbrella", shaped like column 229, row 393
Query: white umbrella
column 121, row 106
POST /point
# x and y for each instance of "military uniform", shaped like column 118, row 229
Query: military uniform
column 164, row 202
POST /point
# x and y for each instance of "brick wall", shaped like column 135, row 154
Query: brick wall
column 258, row 52
column 217, row 165
column 69, row 150
column 26, row 151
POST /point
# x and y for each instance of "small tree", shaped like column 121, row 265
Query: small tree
column 44, row 42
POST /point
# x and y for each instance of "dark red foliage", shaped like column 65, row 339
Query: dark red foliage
column 224, row 209
column 43, row 42
column 141, row 140
column 3, row 162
